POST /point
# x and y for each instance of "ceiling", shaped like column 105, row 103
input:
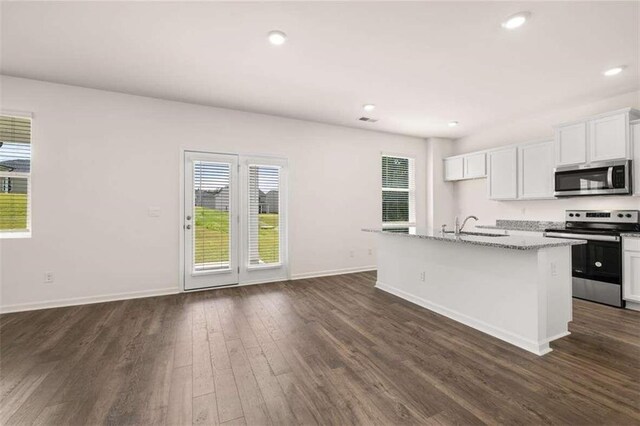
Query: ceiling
column 422, row 63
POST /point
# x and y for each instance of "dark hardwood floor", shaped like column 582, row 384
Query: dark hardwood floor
column 319, row 351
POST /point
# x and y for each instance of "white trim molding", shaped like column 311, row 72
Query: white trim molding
column 529, row 345
column 331, row 272
column 75, row 301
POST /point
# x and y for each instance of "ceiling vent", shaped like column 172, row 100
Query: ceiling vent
column 368, row 120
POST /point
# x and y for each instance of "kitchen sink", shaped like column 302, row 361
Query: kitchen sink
column 477, row 234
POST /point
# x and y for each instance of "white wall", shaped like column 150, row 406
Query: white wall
column 440, row 194
column 101, row 159
column 471, row 196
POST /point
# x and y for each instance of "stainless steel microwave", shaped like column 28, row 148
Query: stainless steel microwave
column 606, row 178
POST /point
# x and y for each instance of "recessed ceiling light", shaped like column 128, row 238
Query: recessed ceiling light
column 368, row 107
column 516, row 20
column 613, row 71
column 277, row 37
column 453, row 123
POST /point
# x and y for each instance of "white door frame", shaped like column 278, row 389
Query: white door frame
column 248, row 276
column 194, row 280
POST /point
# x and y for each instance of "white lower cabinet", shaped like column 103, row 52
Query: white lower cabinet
column 503, row 174
column 631, row 271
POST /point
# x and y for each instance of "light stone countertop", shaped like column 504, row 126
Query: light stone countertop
column 514, row 242
column 630, row 234
column 523, row 225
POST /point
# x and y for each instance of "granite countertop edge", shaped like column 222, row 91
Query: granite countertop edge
column 630, row 234
column 511, row 228
column 488, row 241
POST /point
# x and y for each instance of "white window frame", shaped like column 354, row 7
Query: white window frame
column 248, row 272
column 20, row 233
column 411, row 192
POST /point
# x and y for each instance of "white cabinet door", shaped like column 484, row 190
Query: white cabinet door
column 608, row 138
column 635, row 140
column 535, row 170
column 631, row 276
column 503, row 176
column 475, row 166
column 571, row 144
column 453, row 168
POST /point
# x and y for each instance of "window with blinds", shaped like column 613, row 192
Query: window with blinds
column 211, row 242
column 15, row 174
column 398, row 192
column 264, row 215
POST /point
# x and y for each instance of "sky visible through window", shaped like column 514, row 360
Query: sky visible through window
column 14, row 151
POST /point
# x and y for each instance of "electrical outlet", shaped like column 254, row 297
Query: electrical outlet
column 423, row 276
column 370, row 252
column 352, row 253
column 48, row 277
column 554, row 269
column 153, row 212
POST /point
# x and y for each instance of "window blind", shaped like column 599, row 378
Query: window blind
column 398, row 191
column 211, row 242
column 264, row 215
column 15, row 174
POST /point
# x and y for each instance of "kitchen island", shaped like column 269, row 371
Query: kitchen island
column 515, row 288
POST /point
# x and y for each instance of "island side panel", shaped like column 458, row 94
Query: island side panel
column 554, row 271
column 491, row 289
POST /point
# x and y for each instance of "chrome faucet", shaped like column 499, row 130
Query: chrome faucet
column 458, row 228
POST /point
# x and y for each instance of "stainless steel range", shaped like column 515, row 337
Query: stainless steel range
column 597, row 265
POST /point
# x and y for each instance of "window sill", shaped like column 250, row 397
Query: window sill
column 14, row 235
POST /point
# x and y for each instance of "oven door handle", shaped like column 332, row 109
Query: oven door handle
column 610, row 177
column 591, row 237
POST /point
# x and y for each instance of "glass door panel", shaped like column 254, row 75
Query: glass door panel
column 210, row 222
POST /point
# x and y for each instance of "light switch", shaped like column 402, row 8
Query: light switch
column 154, row 212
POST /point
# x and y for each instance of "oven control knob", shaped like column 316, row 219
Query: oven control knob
column 628, row 215
column 570, row 214
column 620, row 215
column 577, row 214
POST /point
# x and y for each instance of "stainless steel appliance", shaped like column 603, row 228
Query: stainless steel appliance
column 608, row 178
column 597, row 266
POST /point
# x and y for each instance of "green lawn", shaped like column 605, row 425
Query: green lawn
column 212, row 236
column 13, row 211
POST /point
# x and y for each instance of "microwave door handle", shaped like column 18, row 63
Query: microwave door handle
column 610, row 177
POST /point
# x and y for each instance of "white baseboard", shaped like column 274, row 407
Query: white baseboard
column 333, row 272
column 634, row 306
column 160, row 292
column 538, row 348
column 21, row 307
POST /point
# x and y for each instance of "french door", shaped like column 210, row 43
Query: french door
column 234, row 220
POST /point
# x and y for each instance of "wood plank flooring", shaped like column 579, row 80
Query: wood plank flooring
column 320, row 351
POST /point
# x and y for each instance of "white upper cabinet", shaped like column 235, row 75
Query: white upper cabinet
column 600, row 138
column 453, row 168
column 469, row 166
column 502, row 173
column 535, row 170
column 571, row 144
column 608, row 137
column 475, row 165
column 635, row 146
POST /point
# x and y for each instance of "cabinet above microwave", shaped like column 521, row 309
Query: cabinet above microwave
column 605, row 137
